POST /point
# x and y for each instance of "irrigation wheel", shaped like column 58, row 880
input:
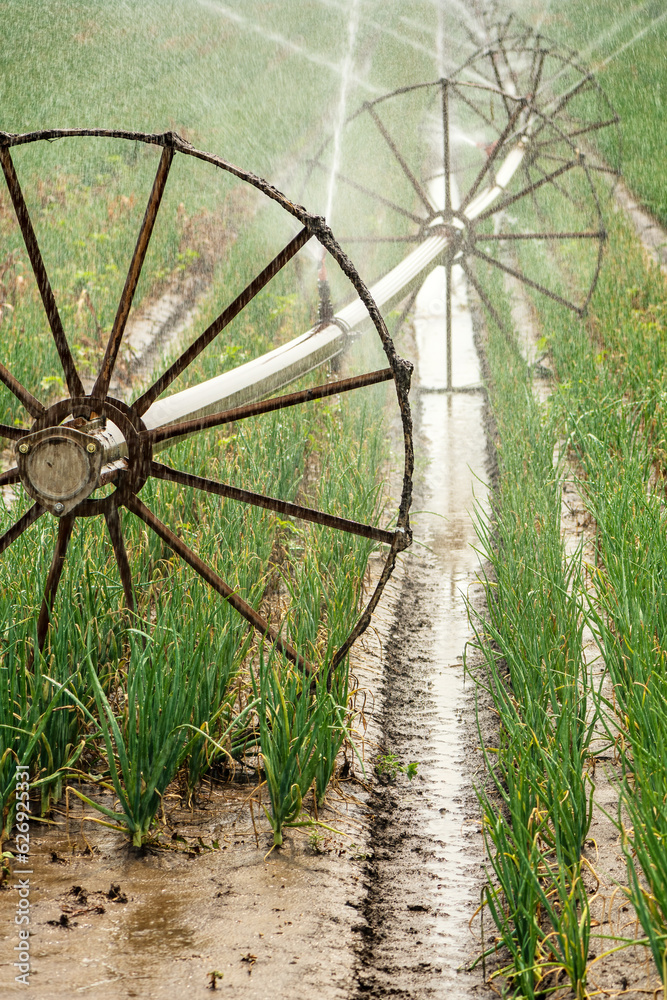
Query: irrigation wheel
column 494, row 158
column 90, row 454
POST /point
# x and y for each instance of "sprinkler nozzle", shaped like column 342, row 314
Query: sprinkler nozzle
column 325, row 309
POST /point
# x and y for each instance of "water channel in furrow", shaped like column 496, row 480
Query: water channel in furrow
column 427, row 868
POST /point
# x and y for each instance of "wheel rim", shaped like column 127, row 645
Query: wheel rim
column 518, row 93
column 137, row 464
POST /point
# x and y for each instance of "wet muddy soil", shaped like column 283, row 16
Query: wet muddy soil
column 383, row 907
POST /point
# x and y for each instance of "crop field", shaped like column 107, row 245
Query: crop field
column 123, row 708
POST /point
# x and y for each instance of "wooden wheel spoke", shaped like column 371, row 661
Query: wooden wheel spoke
column 13, row 433
column 423, row 197
column 165, row 472
column 74, row 383
column 65, row 526
column 526, row 280
column 491, row 158
column 32, row 405
column 101, row 386
column 502, row 205
column 218, row 324
column 20, row 526
column 117, row 541
column 373, row 194
column 182, row 550
column 267, row 405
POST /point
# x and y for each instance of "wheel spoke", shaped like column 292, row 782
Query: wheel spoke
column 483, row 296
column 508, row 64
column 379, row 239
column 20, row 526
column 267, row 406
column 501, row 88
column 579, row 131
column 116, row 534
column 101, row 386
column 448, row 322
column 473, row 107
column 13, row 433
column 497, row 148
column 540, row 236
column 74, row 383
column 526, row 280
column 501, row 206
column 558, row 187
column 32, row 405
column 538, row 75
column 65, row 527
column 373, row 194
column 446, row 159
column 159, row 471
column 225, row 317
column 550, row 115
column 423, row 197
column 178, row 546
column 9, row 477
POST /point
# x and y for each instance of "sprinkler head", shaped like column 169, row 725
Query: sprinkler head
column 325, row 311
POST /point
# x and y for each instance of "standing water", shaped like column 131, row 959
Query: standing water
column 428, row 865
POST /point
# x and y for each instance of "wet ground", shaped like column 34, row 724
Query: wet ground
column 381, row 910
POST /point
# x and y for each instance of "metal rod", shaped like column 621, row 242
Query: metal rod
column 579, row 131
column 268, row 405
column 527, row 281
column 116, row 535
column 32, row 405
column 178, row 546
column 446, row 159
column 13, row 433
column 9, row 477
column 406, row 169
column 225, row 317
column 160, row 471
column 74, row 383
column 473, row 107
column 20, row 526
column 373, row 194
column 65, row 526
column 380, row 239
column 501, row 206
column 448, row 322
column 101, row 386
column 496, row 73
column 491, row 158
column 483, row 237
column 484, row 297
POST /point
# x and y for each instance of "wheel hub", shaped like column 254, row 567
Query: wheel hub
column 62, row 464
column 59, row 467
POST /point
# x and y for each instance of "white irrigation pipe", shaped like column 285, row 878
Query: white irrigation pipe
column 270, row 372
